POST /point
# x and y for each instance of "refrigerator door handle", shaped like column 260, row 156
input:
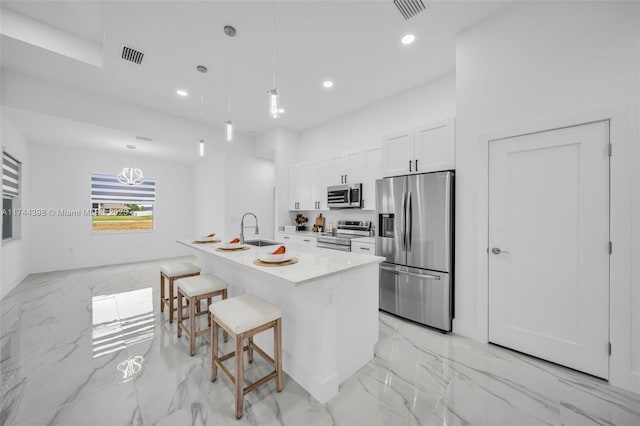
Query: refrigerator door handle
column 396, row 271
column 404, row 222
column 410, row 211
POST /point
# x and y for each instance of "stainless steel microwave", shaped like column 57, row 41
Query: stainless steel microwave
column 347, row 196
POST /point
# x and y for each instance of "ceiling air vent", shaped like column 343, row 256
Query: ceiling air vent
column 409, row 8
column 132, row 55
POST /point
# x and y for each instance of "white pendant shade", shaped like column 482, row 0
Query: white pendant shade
column 274, row 107
column 228, row 131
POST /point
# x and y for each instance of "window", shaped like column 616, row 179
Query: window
column 10, row 195
column 119, row 207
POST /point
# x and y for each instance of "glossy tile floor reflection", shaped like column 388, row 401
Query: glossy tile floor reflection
column 79, row 348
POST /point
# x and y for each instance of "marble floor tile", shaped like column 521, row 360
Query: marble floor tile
column 90, row 347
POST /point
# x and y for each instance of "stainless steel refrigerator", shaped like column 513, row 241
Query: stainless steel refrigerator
column 415, row 235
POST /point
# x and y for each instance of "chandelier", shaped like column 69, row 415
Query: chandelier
column 130, row 175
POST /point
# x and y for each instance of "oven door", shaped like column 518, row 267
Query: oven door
column 333, row 246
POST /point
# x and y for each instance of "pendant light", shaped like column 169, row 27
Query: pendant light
column 130, row 175
column 228, row 125
column 201, row 147
column 274, row 99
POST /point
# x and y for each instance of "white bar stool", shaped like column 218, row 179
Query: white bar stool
column 243, row 317
column 172, row 272
column 196, row 289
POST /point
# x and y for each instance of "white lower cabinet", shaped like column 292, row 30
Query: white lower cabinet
column 307, row 240
column 364, row 248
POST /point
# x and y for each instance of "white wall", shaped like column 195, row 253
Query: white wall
column 250, row 188
column 535, row 63
column 229, row 183
column 13, row 254
column 60, row 179
column 285, row 143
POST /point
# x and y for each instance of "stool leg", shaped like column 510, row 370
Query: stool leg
column 239, row 374
column 225, row 336
column 180, row 319
column 170, row 300
column 277, row 351
column 250, row 349
column 161, row 292
column 193, row 303
column 214, row 349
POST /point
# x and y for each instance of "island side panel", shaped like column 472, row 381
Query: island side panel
column 357, row 318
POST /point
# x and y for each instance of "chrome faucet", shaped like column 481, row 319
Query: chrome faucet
column 242, row 226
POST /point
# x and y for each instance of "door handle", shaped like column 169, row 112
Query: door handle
column 410, row 209
column 410, row 164
column 428, row 276
column 496, row 250
column 404, row 222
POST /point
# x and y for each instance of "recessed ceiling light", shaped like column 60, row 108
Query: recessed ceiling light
column 181, row 92
column 408, row 39
column 327, row 84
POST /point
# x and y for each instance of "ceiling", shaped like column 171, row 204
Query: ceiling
column 354, row 43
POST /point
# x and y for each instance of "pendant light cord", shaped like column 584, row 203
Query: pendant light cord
column 274, row 44
column 229, row 76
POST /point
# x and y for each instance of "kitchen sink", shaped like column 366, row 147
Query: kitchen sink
column 261, row 243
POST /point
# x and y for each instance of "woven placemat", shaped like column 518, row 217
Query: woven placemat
column 205, row 242
column 285, row 263
column 232, row 249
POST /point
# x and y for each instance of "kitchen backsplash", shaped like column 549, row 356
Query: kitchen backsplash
column 333, row 216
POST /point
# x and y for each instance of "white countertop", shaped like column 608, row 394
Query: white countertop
column 312, row 263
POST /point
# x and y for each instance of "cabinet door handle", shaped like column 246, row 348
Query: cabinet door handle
column 345, row 178
column 306, row 241
column 410, row 164
column 286, row 238
column 364, row 248
column 416, row 164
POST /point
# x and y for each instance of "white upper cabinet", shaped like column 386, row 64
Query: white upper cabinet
column 338, row 169
column 299, row 187
column 397, row 152
column 356, row 167
column 319, row 182
column 294, row 188
column 373, row 172
column 435, row 147
column 427, row 148
column 308, row 181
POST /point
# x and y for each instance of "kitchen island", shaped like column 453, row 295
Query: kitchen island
column 329, row 302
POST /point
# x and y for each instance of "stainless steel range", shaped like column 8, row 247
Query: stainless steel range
column 346, row 231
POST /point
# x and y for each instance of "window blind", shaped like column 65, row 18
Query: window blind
column 107, row 188
column 10, row 176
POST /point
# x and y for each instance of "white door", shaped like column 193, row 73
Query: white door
column 435, row 147
column 398, row 153
column 549, row 245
